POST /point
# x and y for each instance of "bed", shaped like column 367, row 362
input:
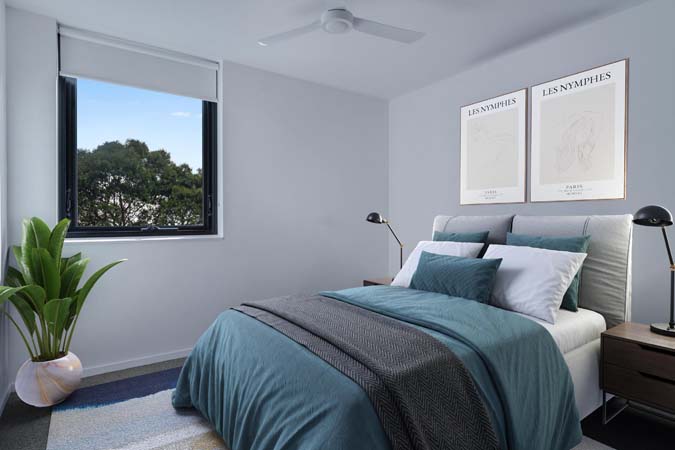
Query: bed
column 289, row 373
column 605, row 287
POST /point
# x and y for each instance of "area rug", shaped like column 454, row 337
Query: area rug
column 131, row 414
column 136, row 414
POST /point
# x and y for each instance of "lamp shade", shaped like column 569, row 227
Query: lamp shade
column 375, row 217
column 653, row 216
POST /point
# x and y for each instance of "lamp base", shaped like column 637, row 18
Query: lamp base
column 662, row 329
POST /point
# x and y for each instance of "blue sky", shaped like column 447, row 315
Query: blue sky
column 110, row 112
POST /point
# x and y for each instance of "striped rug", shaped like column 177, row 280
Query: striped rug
column 130, row 414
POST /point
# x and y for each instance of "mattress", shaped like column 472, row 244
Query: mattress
column 573, row 329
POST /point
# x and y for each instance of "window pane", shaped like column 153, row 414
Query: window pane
column 139, row 157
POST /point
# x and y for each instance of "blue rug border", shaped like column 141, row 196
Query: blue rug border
column 120, row 390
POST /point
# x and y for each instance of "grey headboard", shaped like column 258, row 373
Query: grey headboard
column 605, row 283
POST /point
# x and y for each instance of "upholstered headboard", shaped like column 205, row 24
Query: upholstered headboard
column 605, row 282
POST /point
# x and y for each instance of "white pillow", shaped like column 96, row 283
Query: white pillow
column 531, row 280
column 465, row 249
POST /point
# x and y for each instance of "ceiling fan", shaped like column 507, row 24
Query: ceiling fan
column 340, row 20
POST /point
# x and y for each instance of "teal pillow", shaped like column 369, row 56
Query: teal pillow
column 470, row 278
column 576, row 244
column 479, row 237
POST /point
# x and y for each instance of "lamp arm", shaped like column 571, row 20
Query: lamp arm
column 671, row 323
column 665, row 238
column 396, row 237
column 400, row 245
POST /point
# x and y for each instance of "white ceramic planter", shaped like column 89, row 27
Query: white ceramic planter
column 50, row 382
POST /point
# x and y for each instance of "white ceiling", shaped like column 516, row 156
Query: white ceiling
column 459, row 33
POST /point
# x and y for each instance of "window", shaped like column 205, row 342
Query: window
column 134, row 161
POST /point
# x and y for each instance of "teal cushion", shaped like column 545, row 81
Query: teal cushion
column 471, row 278
column 576, row 244
column 479, row 237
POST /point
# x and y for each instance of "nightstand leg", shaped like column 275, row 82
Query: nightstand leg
column 605, row 419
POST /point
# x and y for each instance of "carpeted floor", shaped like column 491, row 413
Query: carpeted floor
column 131, row 409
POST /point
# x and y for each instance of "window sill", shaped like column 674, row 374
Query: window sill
column 108, row 240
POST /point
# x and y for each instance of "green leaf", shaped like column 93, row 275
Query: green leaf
column 18, row 255
column 41, row 232
column 6, row 292
column 35, row 235
column 63, row 316
column 51, row 310
column 71, row 277
column 51, row 276
column 66, row 262
column 27, row 314
column 71, row 314
column 51, row 313
column 29, row 242
column 84, row 292
column 47, row 274
column 25, row 311
column 14, row 278
column 58, row 235
column 37, row 296
column 36, row 267
column 57, row 312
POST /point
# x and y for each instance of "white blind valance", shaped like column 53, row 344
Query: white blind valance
column 99, row 57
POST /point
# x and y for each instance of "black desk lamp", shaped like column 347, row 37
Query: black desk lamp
column 658, row 216
column 375, row 217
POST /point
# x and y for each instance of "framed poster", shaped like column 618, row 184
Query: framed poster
column 579, row 136
column 493, row 149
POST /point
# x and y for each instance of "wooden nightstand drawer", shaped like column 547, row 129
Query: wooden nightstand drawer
column 377, row 281
column 639, row 386
column 639, row 357
column 637, row 365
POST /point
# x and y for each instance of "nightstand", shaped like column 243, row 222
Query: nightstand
column 639, row 366
column 377, row 281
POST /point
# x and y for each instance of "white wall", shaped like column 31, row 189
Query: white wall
column 4, row 323
column 302, row 167
column 424, row 134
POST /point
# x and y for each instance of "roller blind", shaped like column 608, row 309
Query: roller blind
column 92, row 55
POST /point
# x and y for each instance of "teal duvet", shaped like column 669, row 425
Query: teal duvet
column 262, row 390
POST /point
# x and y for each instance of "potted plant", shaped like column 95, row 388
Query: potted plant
column 45, row 290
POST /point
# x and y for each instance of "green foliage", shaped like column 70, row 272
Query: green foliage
column 129, row 185
column 45, row 289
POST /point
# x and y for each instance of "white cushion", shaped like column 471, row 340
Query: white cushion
column 532, row 281
column 464, row 249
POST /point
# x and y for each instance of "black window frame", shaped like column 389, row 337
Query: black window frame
column 68, row 173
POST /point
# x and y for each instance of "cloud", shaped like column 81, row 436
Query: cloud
column 181, row 114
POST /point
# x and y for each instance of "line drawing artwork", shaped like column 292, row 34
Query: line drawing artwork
column 578, row 141
column 492, row 151
column 577, row 137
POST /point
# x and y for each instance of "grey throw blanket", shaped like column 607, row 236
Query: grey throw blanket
column 423, row 395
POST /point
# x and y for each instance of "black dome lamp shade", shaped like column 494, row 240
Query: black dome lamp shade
column 658, row 216
column 653, row 216
column 376, row 217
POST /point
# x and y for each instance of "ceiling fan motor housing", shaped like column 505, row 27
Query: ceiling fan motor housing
column 337, row 21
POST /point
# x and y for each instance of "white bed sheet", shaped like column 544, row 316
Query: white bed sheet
column 573, row 329
column 584, row 365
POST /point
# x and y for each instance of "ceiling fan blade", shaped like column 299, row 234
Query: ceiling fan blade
column 275, row 38
column 386, row 31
